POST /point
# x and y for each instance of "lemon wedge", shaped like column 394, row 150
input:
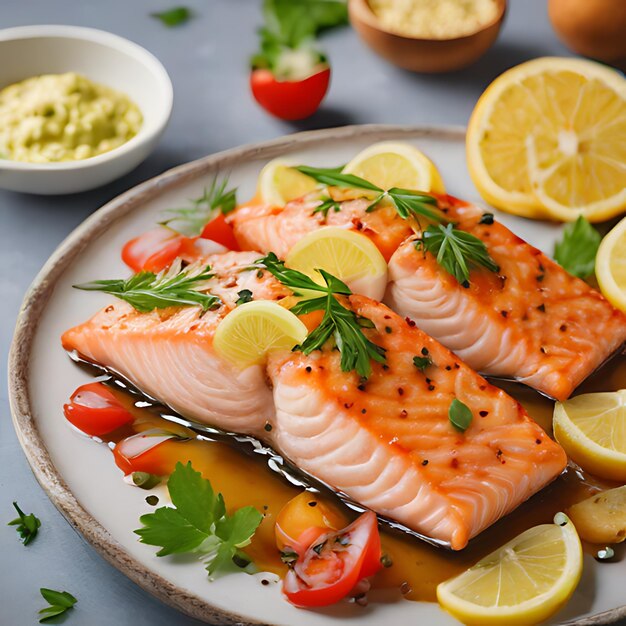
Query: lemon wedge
column 601, row 518
column 348, row 255
column 523, row 582
column 279, row 183
column 249, row 332
column 611, row 266
column 546, row 140
column 391, row 164
column 592, row 430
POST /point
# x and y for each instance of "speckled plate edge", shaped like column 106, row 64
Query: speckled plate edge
column 39, row 292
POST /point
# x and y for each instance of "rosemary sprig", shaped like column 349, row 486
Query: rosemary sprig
column 326, row 206
column 190, row 221
column 339, row 322
column 147, row 291
column 408, row 203
column 456, row 251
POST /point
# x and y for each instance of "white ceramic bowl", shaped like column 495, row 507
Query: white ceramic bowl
column 104, row 58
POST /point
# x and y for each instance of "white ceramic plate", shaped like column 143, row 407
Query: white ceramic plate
column 97, row 502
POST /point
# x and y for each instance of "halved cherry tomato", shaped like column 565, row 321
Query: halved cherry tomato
column 221, row 232
column 95, row 410
column 152, row 251
column 334, row 564
column 145, row 452
column 303, row 519
column 289, row 99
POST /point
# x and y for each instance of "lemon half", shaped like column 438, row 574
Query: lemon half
column 246, row 335
column 546, row 139
column 393, row 164
column 523, row 582
column 279, row 182
column 592, row 430
column 350, row 256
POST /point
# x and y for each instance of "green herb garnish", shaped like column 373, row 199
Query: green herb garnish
column 289, row 31
column 245, row 295
column 198, row 522
column 456, row 251
column 27, row 526
column 144, row 480
column 173, row 17
column 59, row 601
column 459, row 415
column 408, row 203
column 576, row 251
column 147, row 291
column 339, row 322
column 190, row 221
column 326, row 205
column 422, row 362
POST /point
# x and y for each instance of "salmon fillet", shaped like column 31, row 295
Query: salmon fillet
column 386, row 442
column 532, row 322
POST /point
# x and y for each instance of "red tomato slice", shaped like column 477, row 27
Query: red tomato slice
column 332, row 566
column 152, row 251
column 289, row 99
column 143, row 453
column 220, row 231
column 95, row 410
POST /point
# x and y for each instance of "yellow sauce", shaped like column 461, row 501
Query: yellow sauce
column 63, row 117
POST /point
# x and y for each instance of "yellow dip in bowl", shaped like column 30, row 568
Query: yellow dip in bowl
column 63, row 117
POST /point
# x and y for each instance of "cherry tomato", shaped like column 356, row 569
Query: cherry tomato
column 289, row 99
column 221, row 232
column 303, row 519
column 95, row 410
column 145, row 452
column 334, row 564
column 152, row 251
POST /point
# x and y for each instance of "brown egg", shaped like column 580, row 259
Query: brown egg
column 594, row 28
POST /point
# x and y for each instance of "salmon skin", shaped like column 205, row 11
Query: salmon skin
column 387, row 443
column 532, row 321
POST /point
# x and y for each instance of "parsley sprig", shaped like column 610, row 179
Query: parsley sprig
column 59, row 601
column 190, row 221
column 147, row 291
column 408, row 203
column 457, row 251
column 338, row 323
column 576, row 251
column 198, row 523
column 27, row 526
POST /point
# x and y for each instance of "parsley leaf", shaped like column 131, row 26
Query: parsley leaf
column 27, row 526
column 173, row 17
column 460, row 415
column 576, row 252
column 422, row 362
column 190, row 221
column 199, row 522
column 339, row 322
column 147, row 291
column 59, row 601
column 456, row 251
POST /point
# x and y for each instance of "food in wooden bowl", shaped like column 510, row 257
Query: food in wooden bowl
column 427, row 35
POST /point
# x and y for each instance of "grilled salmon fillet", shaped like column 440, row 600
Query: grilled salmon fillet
column 532, row 322
column 387, row 442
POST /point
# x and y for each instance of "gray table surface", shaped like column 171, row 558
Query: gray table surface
column 207, row 60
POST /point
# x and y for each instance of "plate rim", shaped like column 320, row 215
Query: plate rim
column 41, row 289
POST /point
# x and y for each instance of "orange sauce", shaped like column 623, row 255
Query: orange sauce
column 416, row 567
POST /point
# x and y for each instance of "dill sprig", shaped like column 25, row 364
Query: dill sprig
column 147, row 291
column 338, row 323
column 190, row 221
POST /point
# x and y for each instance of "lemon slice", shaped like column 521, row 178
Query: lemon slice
column 279, row 183
column 249, row 332
column 390, row 164
column 611, row 266
column 592, row 430
column 348, row 255
column 546, row 139
column 523, row 582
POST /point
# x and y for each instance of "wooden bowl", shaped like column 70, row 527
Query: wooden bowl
column 419, row 54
